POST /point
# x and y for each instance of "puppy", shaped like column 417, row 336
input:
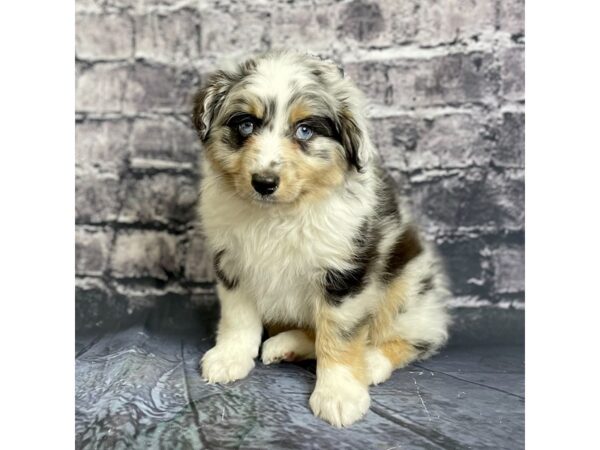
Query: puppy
column 307, row 235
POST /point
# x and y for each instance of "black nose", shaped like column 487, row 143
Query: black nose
column 265, row 184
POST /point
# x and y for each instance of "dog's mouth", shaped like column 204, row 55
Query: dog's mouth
column 264, row 199
column 269, row 200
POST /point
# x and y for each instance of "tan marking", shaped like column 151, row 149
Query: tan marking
column 399, row 351
column 302, row 178
column 333, row 350
column 314, row 178
column 241, row 100
column 382, row 325
column 257, row 108
column 298, row 112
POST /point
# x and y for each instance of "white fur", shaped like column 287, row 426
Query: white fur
column 278, row 253
column 338, row 397
column 238, row 339
column 425, row 317
column 282, row 345
column 379, row 368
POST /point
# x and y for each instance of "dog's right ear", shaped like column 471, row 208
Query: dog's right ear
column 208, row 101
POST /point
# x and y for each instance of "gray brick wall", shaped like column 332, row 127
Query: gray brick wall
column 445, row 80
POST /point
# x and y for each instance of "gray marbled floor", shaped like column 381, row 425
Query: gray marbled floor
column 137, row 386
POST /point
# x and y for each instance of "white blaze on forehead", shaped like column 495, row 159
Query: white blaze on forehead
column 274, row 75
column 269, row 150
column 272, row 82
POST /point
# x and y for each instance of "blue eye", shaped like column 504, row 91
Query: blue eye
column 303, row 133
column 246, row 128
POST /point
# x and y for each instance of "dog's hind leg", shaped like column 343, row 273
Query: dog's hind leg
column 291, row 345
column 384, row 358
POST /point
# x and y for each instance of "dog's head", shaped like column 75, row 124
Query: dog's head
column 282, row 127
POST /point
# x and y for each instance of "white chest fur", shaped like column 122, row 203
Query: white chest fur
column 279, row 255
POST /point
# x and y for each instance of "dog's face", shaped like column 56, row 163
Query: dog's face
column 282, row 128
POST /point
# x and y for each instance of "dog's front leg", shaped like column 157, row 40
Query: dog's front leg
column 341, row 394
column 238, row 338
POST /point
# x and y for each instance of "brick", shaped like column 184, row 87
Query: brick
column 304, row 26
column 96, row 197
column 103, row 36
column 513, row 73
column 394, row 138
column 142, row 254
column 457, row 140
column 160, row 198
column 511, row 17
column 198, row 260
column 450, row 79
column 363, row 20
column 508, row 264
column 168, row 37
column 454, row 20
column 510, row 151
column 88, row 6
column 96, row 306
column 372, row 77
column 160, row 88
column 448, row 141
column 92, row 250
column 402, row 19
column 164, row 139
column 103, row 6
column 381, row 23
column 487, row 326
column 101, row 88
column 471, row 199
column 102, row 144
column 464, row 262
column 237, row 31
column 401, row 23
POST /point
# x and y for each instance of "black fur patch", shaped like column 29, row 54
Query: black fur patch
column 386, row 199
column 232, row 137
column 269, row 114
column 321, row 126
column 217, row 86
column 426, row 285
column 228, row 283
column 341, row 284
column 423, row 347
column 317, row 73
column 350, row 137
column 407, row 247
column 350, row 333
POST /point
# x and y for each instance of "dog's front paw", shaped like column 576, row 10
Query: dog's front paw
column 341, row 401
column 224, row 365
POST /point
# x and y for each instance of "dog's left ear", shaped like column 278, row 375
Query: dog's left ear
column 351, row 129
column 351, row 125
column 208, row 100
column 351, row 138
